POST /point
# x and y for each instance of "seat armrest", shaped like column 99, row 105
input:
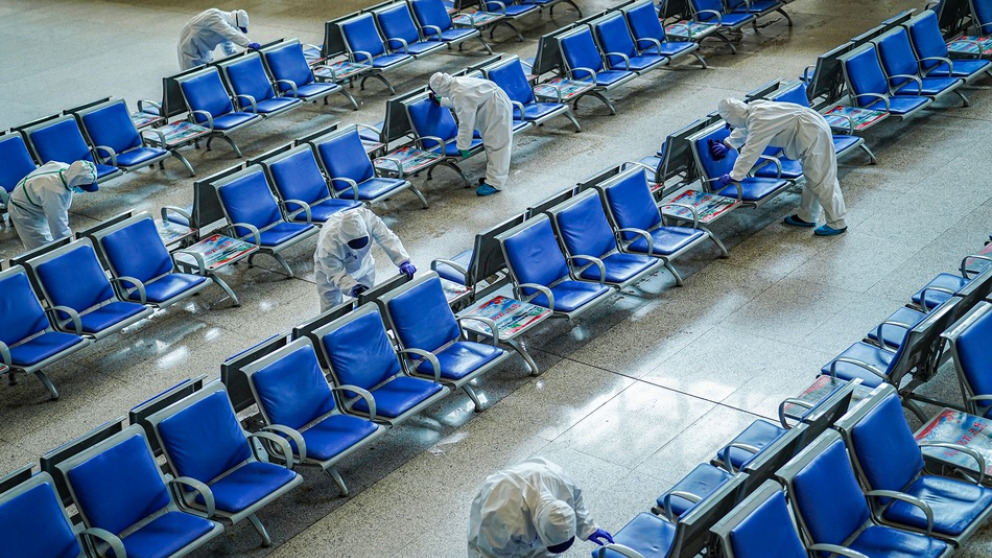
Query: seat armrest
column 519, row 292
column 207, row 115
column 667, row 502
column 640, row 232
column 251, row 101
column 432, row 29
column 377, row 131
column 443, row 142
column 850, row 123
column 292, row 84
column 159, row 133
column 695, row 213
column 450, row 264
column 365, row 53
column 201, row 264
column 724, row 455
column 775, row 161
column 402, row 42
column 593, row 261
column 893, row 323
column 965, row 272
column 617, row 548
column 740, row 192
column 490, row 323
column 352, row 183
column 304, row 207
column 943, row 59
column 912, row 500
column 152, row 104
column 77, row 324
column 836, row 549
column 653, row 43
column 111, row 154
column 791, row 401
column 277, row 446
column 94, row 537
column 624, row 57
column 5, row 357
column 184, row 499
column 395, row 161
column 484, row 6
column 571, row 73
column 363, row 393
column 914, row 78
column 252, row 230
column 429, row 357
column 719, row 16
column 979, row 459
column 858, row 363
column 935, row 289
column 520, row 107
column 137, row 283
column 885, row 98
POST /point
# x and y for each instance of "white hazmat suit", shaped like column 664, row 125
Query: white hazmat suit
column 339, row 267
column 804, row 135
column 480, row 105
column 208, row 29
column 39, row 204
column 522, row 510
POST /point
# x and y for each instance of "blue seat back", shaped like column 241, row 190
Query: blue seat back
column 247, row 199
column 829, row 498
column 206, row 92
column 15, row 161
column 247, row 77
column 75, row 279
column 137, row 251
column 865, row 75
column 204, row 439
column 533, row 253
column 768, row 532
column 927, row 39
column 714, row 168
column 886, row 449
column 632, row 204
column 360, row 352
column 293, row 390
column 579, row 51
column 644, row 24
column 429, row 119
column 120, row 486
column 288, row 62
column 112, row 126
column 298, row 177
column 699, row 6
column 897, row 55
column 974, row 355
column 432, row 12
column 614, row 36
column 33, row 523
column 982, row 11
column 344, row 156
column 360, row 34
column 21, row 315
column 795, row 94
column 61, row 141
column 510, row 78
column 584, row 228
column 396, row 22
column 422, row 318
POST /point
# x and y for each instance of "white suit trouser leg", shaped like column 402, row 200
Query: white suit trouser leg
column 498, row 158
column 332, row 297
column 31, row 228
column 822, row 189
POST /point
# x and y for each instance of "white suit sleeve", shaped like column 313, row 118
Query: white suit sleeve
column 759, row 136
column 466, row 124
column 386, row 238
column 736, row 138
column 230, row 33
column 56, row 209
column 584, row 525
column 336, row 273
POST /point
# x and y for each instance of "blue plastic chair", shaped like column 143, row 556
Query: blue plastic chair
column 116, row 140
column 365, row 44
column 981, row 12
column 509, row 76
column 511, row 11
column 753, row 191
column 904, row 71
column 401, row 32
column 622, row 53
column 210, row 105
column 435, row 22
column 969, row 349
column 932, row 53
column 714, row 12
column 762, row 527
column 583, row 61
column 15, row 164
column 60, row 139
column 649, row 33
column 252, row 89
column 301, row 187
column 870, row 88
column 294, row 77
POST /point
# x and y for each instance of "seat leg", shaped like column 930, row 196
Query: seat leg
column 380, row 77
column 351, row 98
column 574, row 5
column 785, row 15
column 333, row 473
column 184, row 161
column 226, row 288
column 485, row 45
column 531, row 365
column 571, row 116
column 266, row 539
column 609, row 104
column 699, row 57
column 234, row 146
column 716, row 240
column 520, row 38
column 416, row 191
column 475, row 398
column 671, row 269
column 209, row 141
column 722, row 37
column 11, row 378
column 964, row 100
column 454, row 166
column 47, row 382
column 282, row 262
column 872, row 160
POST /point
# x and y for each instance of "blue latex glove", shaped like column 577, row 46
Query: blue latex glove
column 434, row 97
column 601, row 537
column 718, row 150
column 466, row 153
column 357, row 290
column 407, row 269
column 254, row 46
column 725, row 179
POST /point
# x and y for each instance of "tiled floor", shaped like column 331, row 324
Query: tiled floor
column 633, row 395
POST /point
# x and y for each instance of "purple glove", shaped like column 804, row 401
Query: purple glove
column 254, row 46
column 725, row 179
column 357, row 290
column 718, row 150
column 601, row 537
column 407, row 269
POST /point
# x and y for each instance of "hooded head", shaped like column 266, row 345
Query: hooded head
column 555, row 524
column 241, row 20
column 353, row 230
column 733, row 112
column 440, row 84
column 81, row 174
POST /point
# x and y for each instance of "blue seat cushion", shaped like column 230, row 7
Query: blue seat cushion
column 374, row 187
column 877, row 358
column 639, row 63
column 452, row 149
column 282, row 232
column 572, row 295
column 138, row 156
column 334, row 435
column 274, row 104
column 108, row 315
column 534, row 111
column 893, row 543
column 955, row 504
column 843, row 143
column 729, row 20
column 758, row 6
column 165, row 535
column 901, row 104
column 619, row 267
column 46, row 345
column 233, row 120
column 168, row 287
column 324, row 210
column 313, row 90
column 399, row 395
column 609, row 77
column 515, row 10
column 461, row 359
column 422, row 47
column 464, row 259
column 944, row 282
column 701, row 481
column 931, row 86
column 454, row 34
column 962, row 68
column 666, row 240
column 758, row 434
column 248, row 484
column 893, row 335
column 754, row 189
column 650, row 535
column 673, row 48
column 103, row 171
column 791, row 169
column 387, row 60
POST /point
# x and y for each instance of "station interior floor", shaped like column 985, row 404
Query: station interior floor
column 634, row 394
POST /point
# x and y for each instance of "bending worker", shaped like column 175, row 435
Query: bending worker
column 210, row 28
column 804, row 135
column 343, row 262
column 479, row 104
column 39, row 204
column 530, row 510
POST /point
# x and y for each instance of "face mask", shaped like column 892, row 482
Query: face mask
column 358, row 243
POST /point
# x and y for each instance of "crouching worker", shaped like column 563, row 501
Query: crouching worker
column 39, row 204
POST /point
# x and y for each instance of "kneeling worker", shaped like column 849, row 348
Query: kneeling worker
column 39, row 204
column 804, row 135
column 343, row 262
column 209, row 28
column 479, row 103
column 530, row 510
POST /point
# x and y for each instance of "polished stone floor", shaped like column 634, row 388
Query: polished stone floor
column 633, row 395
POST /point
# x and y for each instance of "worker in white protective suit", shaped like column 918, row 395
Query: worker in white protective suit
column 39, row 204
column 804, row 135
column 530, row 510
column 208, row 29
column 343, row 262
column 479, row 104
